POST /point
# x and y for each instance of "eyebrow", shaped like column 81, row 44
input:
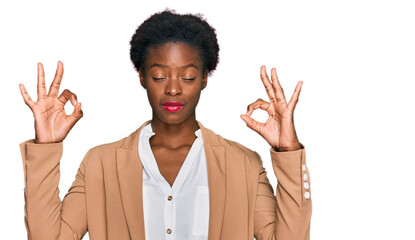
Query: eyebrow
column 165, row 66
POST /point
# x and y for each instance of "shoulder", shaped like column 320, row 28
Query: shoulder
column 109, row 150
column 106, row 147
column 234, row 148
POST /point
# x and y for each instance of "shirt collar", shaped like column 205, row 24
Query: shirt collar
column 148, row 131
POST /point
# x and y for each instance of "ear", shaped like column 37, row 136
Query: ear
column 142, row 78
column 204, row 79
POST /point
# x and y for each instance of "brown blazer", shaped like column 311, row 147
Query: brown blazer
column 105, row 198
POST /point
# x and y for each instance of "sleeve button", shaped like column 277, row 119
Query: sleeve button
column 306, row 186
column 305, row 177
column 307, row 195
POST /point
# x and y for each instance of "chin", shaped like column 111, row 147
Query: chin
column 172, row 118
column 172, row 121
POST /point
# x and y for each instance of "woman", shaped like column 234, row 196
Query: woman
column 172, row 178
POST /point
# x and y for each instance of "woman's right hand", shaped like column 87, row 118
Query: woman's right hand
column 51, row 122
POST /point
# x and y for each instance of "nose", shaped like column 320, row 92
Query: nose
column 173, row 87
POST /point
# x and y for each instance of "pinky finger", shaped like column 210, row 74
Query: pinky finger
column 29, row 102
column 295, row 96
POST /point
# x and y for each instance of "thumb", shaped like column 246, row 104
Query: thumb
column 251, row 123
column 77, row 113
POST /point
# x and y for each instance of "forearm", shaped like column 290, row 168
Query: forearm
column 41, row 177
column 294, row 205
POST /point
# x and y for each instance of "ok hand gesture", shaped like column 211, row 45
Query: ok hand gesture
column 51, row 122
column 278, row 130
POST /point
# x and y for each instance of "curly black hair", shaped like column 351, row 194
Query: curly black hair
column 167, row 26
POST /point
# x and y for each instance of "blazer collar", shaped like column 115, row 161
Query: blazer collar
column 130, row 177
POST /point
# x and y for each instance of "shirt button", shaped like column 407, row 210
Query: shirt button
column 306, row 186
column 304, row 168
column 307, row 195
column 170, row 198
column 305, row 177
column 168, row 231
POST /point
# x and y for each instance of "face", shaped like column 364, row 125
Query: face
column 173, row 77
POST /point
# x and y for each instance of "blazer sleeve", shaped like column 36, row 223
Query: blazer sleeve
column 46, row 216
column 287, row 215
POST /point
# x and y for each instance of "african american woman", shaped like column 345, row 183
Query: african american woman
column 172, row 178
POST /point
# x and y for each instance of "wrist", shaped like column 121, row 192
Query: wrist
column 287, row 149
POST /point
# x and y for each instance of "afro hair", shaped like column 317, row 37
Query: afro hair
column 168, row 26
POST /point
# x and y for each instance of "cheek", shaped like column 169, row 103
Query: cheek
column 195, row 94
column 154, row 90
column 153, row 97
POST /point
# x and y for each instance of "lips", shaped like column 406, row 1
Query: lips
column 172, row 106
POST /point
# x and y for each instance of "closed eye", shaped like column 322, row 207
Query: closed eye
column 189, row 78
column 154, row 78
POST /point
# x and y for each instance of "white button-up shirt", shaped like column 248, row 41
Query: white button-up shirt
column 180, row 211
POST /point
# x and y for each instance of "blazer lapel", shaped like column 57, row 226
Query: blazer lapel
column 216, row 169
column 130, row 177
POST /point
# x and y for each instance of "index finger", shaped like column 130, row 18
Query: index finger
column 54, row 87
column 267, row 84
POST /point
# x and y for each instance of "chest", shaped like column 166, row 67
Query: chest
column 169, row 161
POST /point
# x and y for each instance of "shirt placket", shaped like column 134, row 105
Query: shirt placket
column 169, row 214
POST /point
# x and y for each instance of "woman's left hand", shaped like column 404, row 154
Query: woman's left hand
column 278, row 130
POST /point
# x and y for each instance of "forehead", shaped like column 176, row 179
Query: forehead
column 173, row 55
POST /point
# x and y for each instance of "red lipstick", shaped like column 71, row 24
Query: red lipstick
column 172, row 106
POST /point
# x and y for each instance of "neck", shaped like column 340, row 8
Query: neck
column 174, row 135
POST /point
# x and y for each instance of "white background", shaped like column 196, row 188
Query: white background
column 355, row 115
